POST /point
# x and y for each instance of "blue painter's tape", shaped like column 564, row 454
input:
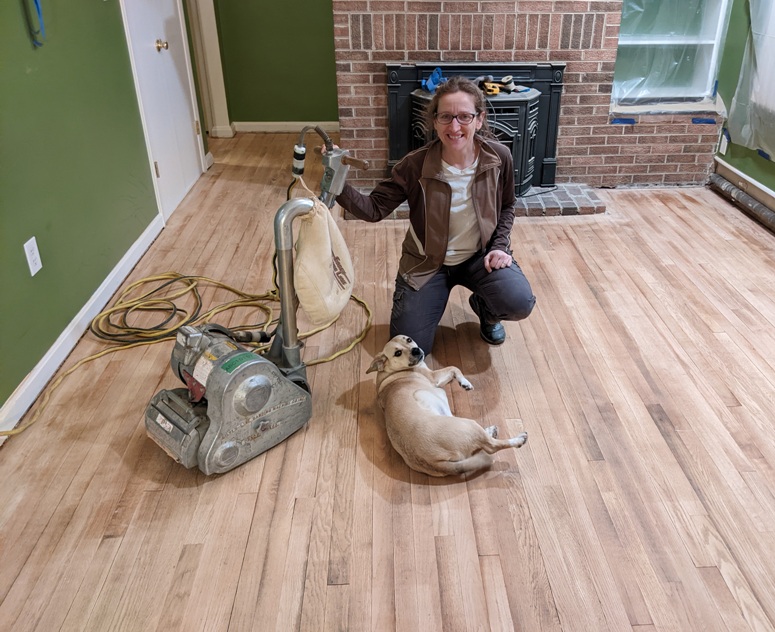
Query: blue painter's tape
column 623, row 121
column 703, row 121
column 763, row 154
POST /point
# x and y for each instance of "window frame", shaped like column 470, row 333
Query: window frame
column 700, row 94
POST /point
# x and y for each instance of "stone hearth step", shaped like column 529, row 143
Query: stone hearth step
column 562, row 199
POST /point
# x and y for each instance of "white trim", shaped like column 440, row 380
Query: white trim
column 284, row 126
column 207, row 52
column 746, row 177
column 662, row 40
column 197, row 55
column 32, row 386
column 223, row 131
column 713, row 105
column 192, row 96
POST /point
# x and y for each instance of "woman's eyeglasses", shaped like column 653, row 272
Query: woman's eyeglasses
column 464, row 118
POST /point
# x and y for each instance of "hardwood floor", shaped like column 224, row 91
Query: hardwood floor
column 643, row 500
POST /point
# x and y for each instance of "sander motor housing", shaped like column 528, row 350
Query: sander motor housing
column 235, row 406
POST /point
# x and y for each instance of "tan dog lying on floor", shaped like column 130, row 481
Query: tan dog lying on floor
column 419, row 422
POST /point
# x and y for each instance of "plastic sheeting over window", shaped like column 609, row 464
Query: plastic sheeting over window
column 669, row 51
column 752, row 114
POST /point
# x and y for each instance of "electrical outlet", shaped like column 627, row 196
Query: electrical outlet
column 33, row 256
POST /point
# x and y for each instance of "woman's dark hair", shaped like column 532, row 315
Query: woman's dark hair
column 459, row 84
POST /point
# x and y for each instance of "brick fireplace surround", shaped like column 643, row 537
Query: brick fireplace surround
column 593, row 149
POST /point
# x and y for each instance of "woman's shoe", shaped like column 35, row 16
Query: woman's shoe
column 491, row 333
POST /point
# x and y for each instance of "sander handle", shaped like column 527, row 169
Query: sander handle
column 355, row 162
column 346, row 159
column 336, row 164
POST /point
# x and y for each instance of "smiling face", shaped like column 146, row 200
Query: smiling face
column 455, row 137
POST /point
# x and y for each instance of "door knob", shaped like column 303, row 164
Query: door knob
column 160, row 45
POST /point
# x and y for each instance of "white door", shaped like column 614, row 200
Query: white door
column 158, row 46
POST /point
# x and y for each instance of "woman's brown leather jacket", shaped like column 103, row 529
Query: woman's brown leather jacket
column 418, row 179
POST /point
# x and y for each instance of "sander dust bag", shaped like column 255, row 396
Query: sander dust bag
column 323, row 272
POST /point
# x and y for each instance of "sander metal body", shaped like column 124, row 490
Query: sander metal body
column 237, row 404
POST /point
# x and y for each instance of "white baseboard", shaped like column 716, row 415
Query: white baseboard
column 32, row 386
column 746, row 183
column 284, row 126
column 222, row 131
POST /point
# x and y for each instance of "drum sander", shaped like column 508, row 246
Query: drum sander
column 237, row 404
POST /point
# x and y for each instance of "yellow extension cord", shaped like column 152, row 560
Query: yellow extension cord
column 125, row 336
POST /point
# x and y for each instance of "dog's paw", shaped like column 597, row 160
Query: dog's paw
column 466, row 384
column 492, row 431
column 519, row 440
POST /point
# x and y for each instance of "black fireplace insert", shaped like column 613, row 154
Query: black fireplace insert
column 526, row 121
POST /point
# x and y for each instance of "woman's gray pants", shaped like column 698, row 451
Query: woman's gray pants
column 505, row 293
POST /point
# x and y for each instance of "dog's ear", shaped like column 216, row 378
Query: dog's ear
column 378, row 364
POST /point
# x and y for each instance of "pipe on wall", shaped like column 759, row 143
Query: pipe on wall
column 740, row 198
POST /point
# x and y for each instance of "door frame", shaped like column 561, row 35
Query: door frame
column 204, row 161
column 206, row 51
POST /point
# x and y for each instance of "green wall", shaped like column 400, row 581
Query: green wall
column 742, row 158
column 278, row 60
column 74, row 170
